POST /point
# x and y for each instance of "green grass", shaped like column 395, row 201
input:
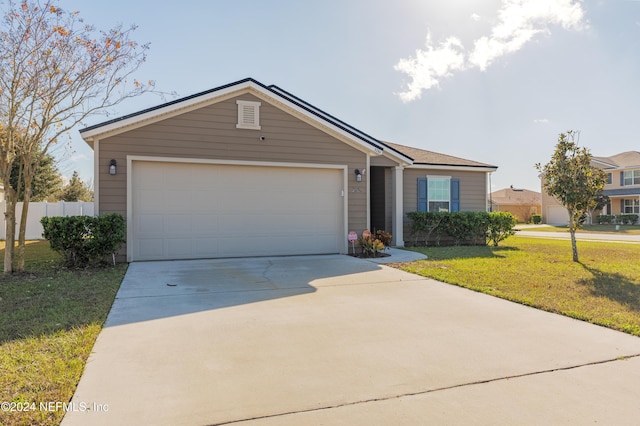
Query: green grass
column 604, row 229
column 50, row 319
column 604, row 288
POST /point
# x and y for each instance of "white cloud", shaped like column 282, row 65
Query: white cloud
column 430, row 65
column 475, row 17
column 519, row 21
column 541, row 121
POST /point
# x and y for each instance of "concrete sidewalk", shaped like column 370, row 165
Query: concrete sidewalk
column 339, row 340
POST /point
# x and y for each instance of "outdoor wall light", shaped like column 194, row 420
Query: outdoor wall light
column 112, row 167
column 358, row 175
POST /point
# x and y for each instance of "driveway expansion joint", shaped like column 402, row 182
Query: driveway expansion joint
column 428, row 391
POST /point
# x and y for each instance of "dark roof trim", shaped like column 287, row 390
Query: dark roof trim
column 174, row 102
column 279, row 92
column 479, row 166
column 623, row 191
column 327, row 117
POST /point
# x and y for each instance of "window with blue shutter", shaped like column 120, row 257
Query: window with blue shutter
column 455, row 195
column 438, row 194
column 422, row 194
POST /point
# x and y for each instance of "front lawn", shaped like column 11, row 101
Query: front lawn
column 604, row 288
column 50, row 320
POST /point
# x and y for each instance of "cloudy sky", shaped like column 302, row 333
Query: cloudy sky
column 489, row 80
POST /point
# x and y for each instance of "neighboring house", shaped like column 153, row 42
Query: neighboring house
column 522, row 203
column 251, row 170
column 622, row 188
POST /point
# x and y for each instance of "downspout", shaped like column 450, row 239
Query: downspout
column 490, row 195
column 367, row 175
column 96, row 177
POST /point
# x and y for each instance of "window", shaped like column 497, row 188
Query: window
column 248, row 115
column 609, row 178
column 631, row 206
column 438, row 194
column 631, row 177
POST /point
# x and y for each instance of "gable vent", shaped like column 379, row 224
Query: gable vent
column 248, row 115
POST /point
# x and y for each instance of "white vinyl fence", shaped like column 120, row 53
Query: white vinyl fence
column 41, row 209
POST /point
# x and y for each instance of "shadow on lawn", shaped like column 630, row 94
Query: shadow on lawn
column 464, row 252
column 613, row 286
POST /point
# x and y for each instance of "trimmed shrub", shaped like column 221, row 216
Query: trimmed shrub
column 627, row 219
column 424, row 224
column 85, row 240
column 468, row 227
column 605, row 219
column 536, row 218
column 473, row 228
column 500, row 227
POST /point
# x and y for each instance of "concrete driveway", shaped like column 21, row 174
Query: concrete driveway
column 338, row 340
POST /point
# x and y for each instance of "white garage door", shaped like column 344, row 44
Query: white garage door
column 557, row 215
column 188, row 211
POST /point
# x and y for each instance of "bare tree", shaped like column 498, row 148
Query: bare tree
column 55, row 71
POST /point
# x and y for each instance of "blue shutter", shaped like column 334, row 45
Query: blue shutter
column 621, row 206
column 621, row 178
column 455, row 195
column 422, row 194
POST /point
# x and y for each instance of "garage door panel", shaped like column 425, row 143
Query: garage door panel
column 149, row 224
column 181, row 224
column 205, row 223
column 151, row 199
column 150, row 248
column 150, row 179
column 199, row 210
column 202, row 179
column 178, row 247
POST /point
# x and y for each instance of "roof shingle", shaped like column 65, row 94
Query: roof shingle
column 421, row 156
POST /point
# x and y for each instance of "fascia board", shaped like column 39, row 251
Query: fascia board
column 276, row 98
column 154, row 115
column 452, row 167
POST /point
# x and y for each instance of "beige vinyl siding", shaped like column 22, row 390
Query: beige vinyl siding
column 210, row 133
column 473, row 190
column 382, row 161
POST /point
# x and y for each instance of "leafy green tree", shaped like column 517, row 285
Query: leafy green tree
column 47, row 183
column 76, row 190
column 571, row 179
